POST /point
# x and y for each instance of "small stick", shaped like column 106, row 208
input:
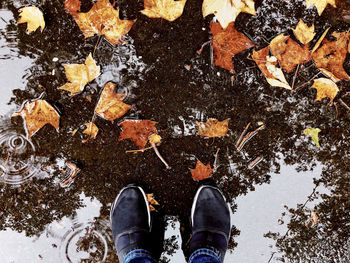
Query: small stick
column 159, row 156
column 201, row 49
column 240, row 137
column 255, row 162
column 249, row 136
column 216, row 157
column 97, row 45
column 344, row 104
column 308, row 82
column 140, row 150
column 295, row 76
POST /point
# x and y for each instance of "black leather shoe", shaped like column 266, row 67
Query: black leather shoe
column 211, row 224
column 130, row 220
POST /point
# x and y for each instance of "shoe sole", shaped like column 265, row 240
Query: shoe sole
column 145, row 198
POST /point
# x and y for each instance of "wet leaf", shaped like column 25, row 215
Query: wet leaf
column 154, row 139
column 151, row 201
column 331, row 55
column 226, row 44
column 314, row 219
column 319, row 4
column 79, row 75
column 288, row 52
column 304, row 33
column 110, row 105
column 36, row 114
column 71, row 172
column 226, row 11
column 201, row 171
column 213, row 128
column 102, row 19
column 33, row 17
column 91, row 130
column 326, row 88
column 138, row 131
column 72, row 6
column 167, row 9
column 313, row 133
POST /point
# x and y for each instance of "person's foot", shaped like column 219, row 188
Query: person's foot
column 130, row 220
column 210, row 219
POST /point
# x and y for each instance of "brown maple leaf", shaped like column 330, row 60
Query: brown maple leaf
column 167, row 9
column 36, row 114
column 227, row 43
column 213, row 128
column 330, row 57
column 110, row 105
column 288, row 52
column 201, row 171
column 102, row 19
column 138, row 131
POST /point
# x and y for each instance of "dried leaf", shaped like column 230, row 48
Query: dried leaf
column 314, row 219
column 326, row 88
column 313, row 133
column 201, row 171
column 154, row 139
column 320, row 40
column 226, row 44
column 213, row 128
column 319, row 4
column 33, row 17
column 138, row 131
column 79, row 75
column 102, row 19
column 151, row 201
column 330, row 57
column 288, row 52
column 304, row 33
column 72, row 6
column 110, row 105
column 36, row 114
column 91, row 130
column 167, row 9
column 260, row 58
column 226, row 11
column 72, row 172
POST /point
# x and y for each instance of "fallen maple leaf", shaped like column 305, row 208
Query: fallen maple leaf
column 33, row 17
column 288, row 52
column 151, row 201
column 213, row 128
column 36, row 114
column 226, row 11
column 102, row 19
column 110, row 105
column 91, row 130
column 138, row 131
column 79, row 75
column 227, row 43
column 167, row 9
column 201, row 171
column 330, row 57
column 313, row 133
column 319, row 4
column 72, row 6
column 326, row 88
column 268, row 65
column 314, row 219
column 304, row 33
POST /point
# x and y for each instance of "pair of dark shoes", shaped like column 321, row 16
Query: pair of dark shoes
column 131, row 221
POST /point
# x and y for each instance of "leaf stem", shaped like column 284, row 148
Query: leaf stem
column 159, row 156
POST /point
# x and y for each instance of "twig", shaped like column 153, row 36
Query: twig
column 255, row 162
column 308, row 82
column 99, row 40
column 242, row 134
column 216, row 157
column 249, row 136
column 140, row 150
column 295, row 76
column 344, row 104
column 159, row 156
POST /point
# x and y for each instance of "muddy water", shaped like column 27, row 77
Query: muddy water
column 41, row 221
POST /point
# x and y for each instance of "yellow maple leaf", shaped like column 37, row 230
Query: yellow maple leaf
column 36, row 114
column 110, row 105
column 226, row 11
column 304, row 33
column 79, row 75
column 103, row 19
column 213, row 128
column 151, row 201
column 33, row 17
column 320, row 4
column 278, row 79
column 91, row 130
column 167, row 9
column 326, row 88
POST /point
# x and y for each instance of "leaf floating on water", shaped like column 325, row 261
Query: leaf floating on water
column 320, row 4
column 326, row 88
column 201, row 171
column 151, row 201
column 167, row 9
column 36, row 114
column 79, row 75
column 313, row 133
column 227, row 43
column 226, row 11
column 33, row 17
column 213, row 128
column 303, row 32
column 91, row 130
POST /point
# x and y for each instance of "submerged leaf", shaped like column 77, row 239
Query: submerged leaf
column 167, row 9
column 326, row 88
column 91, row 130
column 320, row 4
column 313, row 133
column 33, row 17
column 304, row 33
column 213, row 128
column 201, row 171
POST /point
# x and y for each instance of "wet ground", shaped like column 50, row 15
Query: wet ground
column 40, row 221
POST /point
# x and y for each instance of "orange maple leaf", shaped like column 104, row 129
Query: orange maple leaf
column 72, row 6
column 288, row 52
column 201, row 171
column 213, row 128
column 260, row 59
column 102, row 19
column 138, row 131
column 227, row 43
column 151, row 202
